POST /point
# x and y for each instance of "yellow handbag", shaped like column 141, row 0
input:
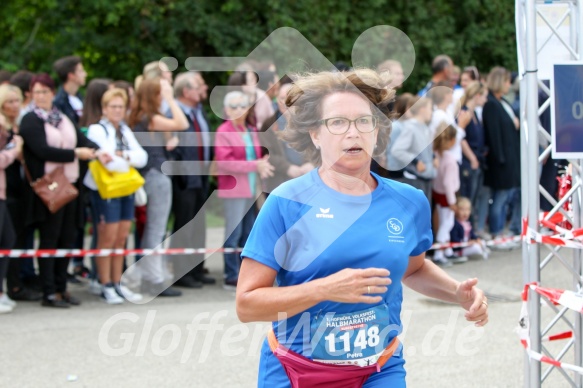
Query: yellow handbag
column 115, row 184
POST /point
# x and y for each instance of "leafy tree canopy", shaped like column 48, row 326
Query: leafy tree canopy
column 116, row 38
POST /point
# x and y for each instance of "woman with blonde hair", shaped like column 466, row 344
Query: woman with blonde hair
column 330, row 250
column 474, row 154
column 10, row 113
column 10, row 105
column 503, row 142
column 10, row 150
column 145, row 116
column 114, row 216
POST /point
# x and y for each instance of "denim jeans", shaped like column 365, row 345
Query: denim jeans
column 239, row 217
column 515, row 208
column 480, row 198
column 481, row 207
column 158, row 187
column 499, row 209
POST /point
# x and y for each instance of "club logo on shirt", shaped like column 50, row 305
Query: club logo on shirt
column 324, row 213
column 395, row 226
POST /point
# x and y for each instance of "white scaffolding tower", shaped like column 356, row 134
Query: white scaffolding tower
column 566, row 37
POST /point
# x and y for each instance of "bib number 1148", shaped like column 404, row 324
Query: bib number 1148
column 362, row 339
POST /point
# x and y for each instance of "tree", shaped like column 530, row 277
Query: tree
column 116, row 38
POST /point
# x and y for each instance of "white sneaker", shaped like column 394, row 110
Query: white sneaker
column 484, row 235
column 95, row 287
column 5, row 309
column 442, row 262
column 128, row 294
column 456, row 259
column 110, row 296
column 5, row 300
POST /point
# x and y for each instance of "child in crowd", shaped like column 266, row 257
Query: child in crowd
column 462, row 231
column 445, row 185
column 412, row 150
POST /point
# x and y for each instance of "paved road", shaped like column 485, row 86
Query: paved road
column 197, row 341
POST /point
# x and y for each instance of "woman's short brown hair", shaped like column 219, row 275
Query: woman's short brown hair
column 309, row 90
column 497, row 77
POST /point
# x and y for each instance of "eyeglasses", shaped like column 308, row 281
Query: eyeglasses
column 235, row 106
column 116, row 106
column 340, row 125
column 46, row 91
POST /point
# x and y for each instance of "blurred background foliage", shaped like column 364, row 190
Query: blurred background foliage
column 116, row 38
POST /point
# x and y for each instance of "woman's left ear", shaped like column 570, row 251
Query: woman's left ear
column 315, row 140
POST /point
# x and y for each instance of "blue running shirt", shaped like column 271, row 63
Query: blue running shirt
column 306, row 230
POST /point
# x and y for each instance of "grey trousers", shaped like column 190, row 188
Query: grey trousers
column 158, row 187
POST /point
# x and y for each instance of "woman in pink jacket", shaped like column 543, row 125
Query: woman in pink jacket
column 239, row 166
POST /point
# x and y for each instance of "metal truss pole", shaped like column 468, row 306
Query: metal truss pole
column 531, row 172
column 578, row 271
column 527, row 13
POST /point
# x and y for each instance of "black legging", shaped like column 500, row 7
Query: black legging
column 58, row 230
column 7, row 239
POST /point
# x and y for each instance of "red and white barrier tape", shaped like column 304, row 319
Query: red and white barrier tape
column 566, row 298
column 22, row 253
column 563, row 237
column 497, row 241
column 534, row 236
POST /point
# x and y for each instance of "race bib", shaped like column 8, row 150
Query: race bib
column 357, row 338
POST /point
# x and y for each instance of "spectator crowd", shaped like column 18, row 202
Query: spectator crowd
column 457, row 140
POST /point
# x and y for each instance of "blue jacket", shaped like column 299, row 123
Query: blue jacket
column 456, row 234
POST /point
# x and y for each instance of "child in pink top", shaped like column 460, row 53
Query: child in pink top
column 445, row 185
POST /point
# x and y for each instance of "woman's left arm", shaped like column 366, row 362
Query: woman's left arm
column 425, row 277
column 136, row 155
column 83, row 141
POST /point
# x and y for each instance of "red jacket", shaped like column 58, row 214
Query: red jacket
column 232, row 165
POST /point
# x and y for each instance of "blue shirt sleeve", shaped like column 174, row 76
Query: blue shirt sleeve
column 423, row 225
column 268, row 228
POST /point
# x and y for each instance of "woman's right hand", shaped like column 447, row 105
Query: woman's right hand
column 84, row 153
column 264, row 168
column 18, row 143
column 356, row 285
column 166, row 90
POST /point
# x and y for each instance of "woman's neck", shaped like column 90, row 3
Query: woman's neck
column 361, row 183
column 471, row 105
column 239, row 124
column 11, row 121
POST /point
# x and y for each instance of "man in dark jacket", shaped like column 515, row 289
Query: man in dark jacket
column 68, row 100
column 72, row 75
column 190, row 187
